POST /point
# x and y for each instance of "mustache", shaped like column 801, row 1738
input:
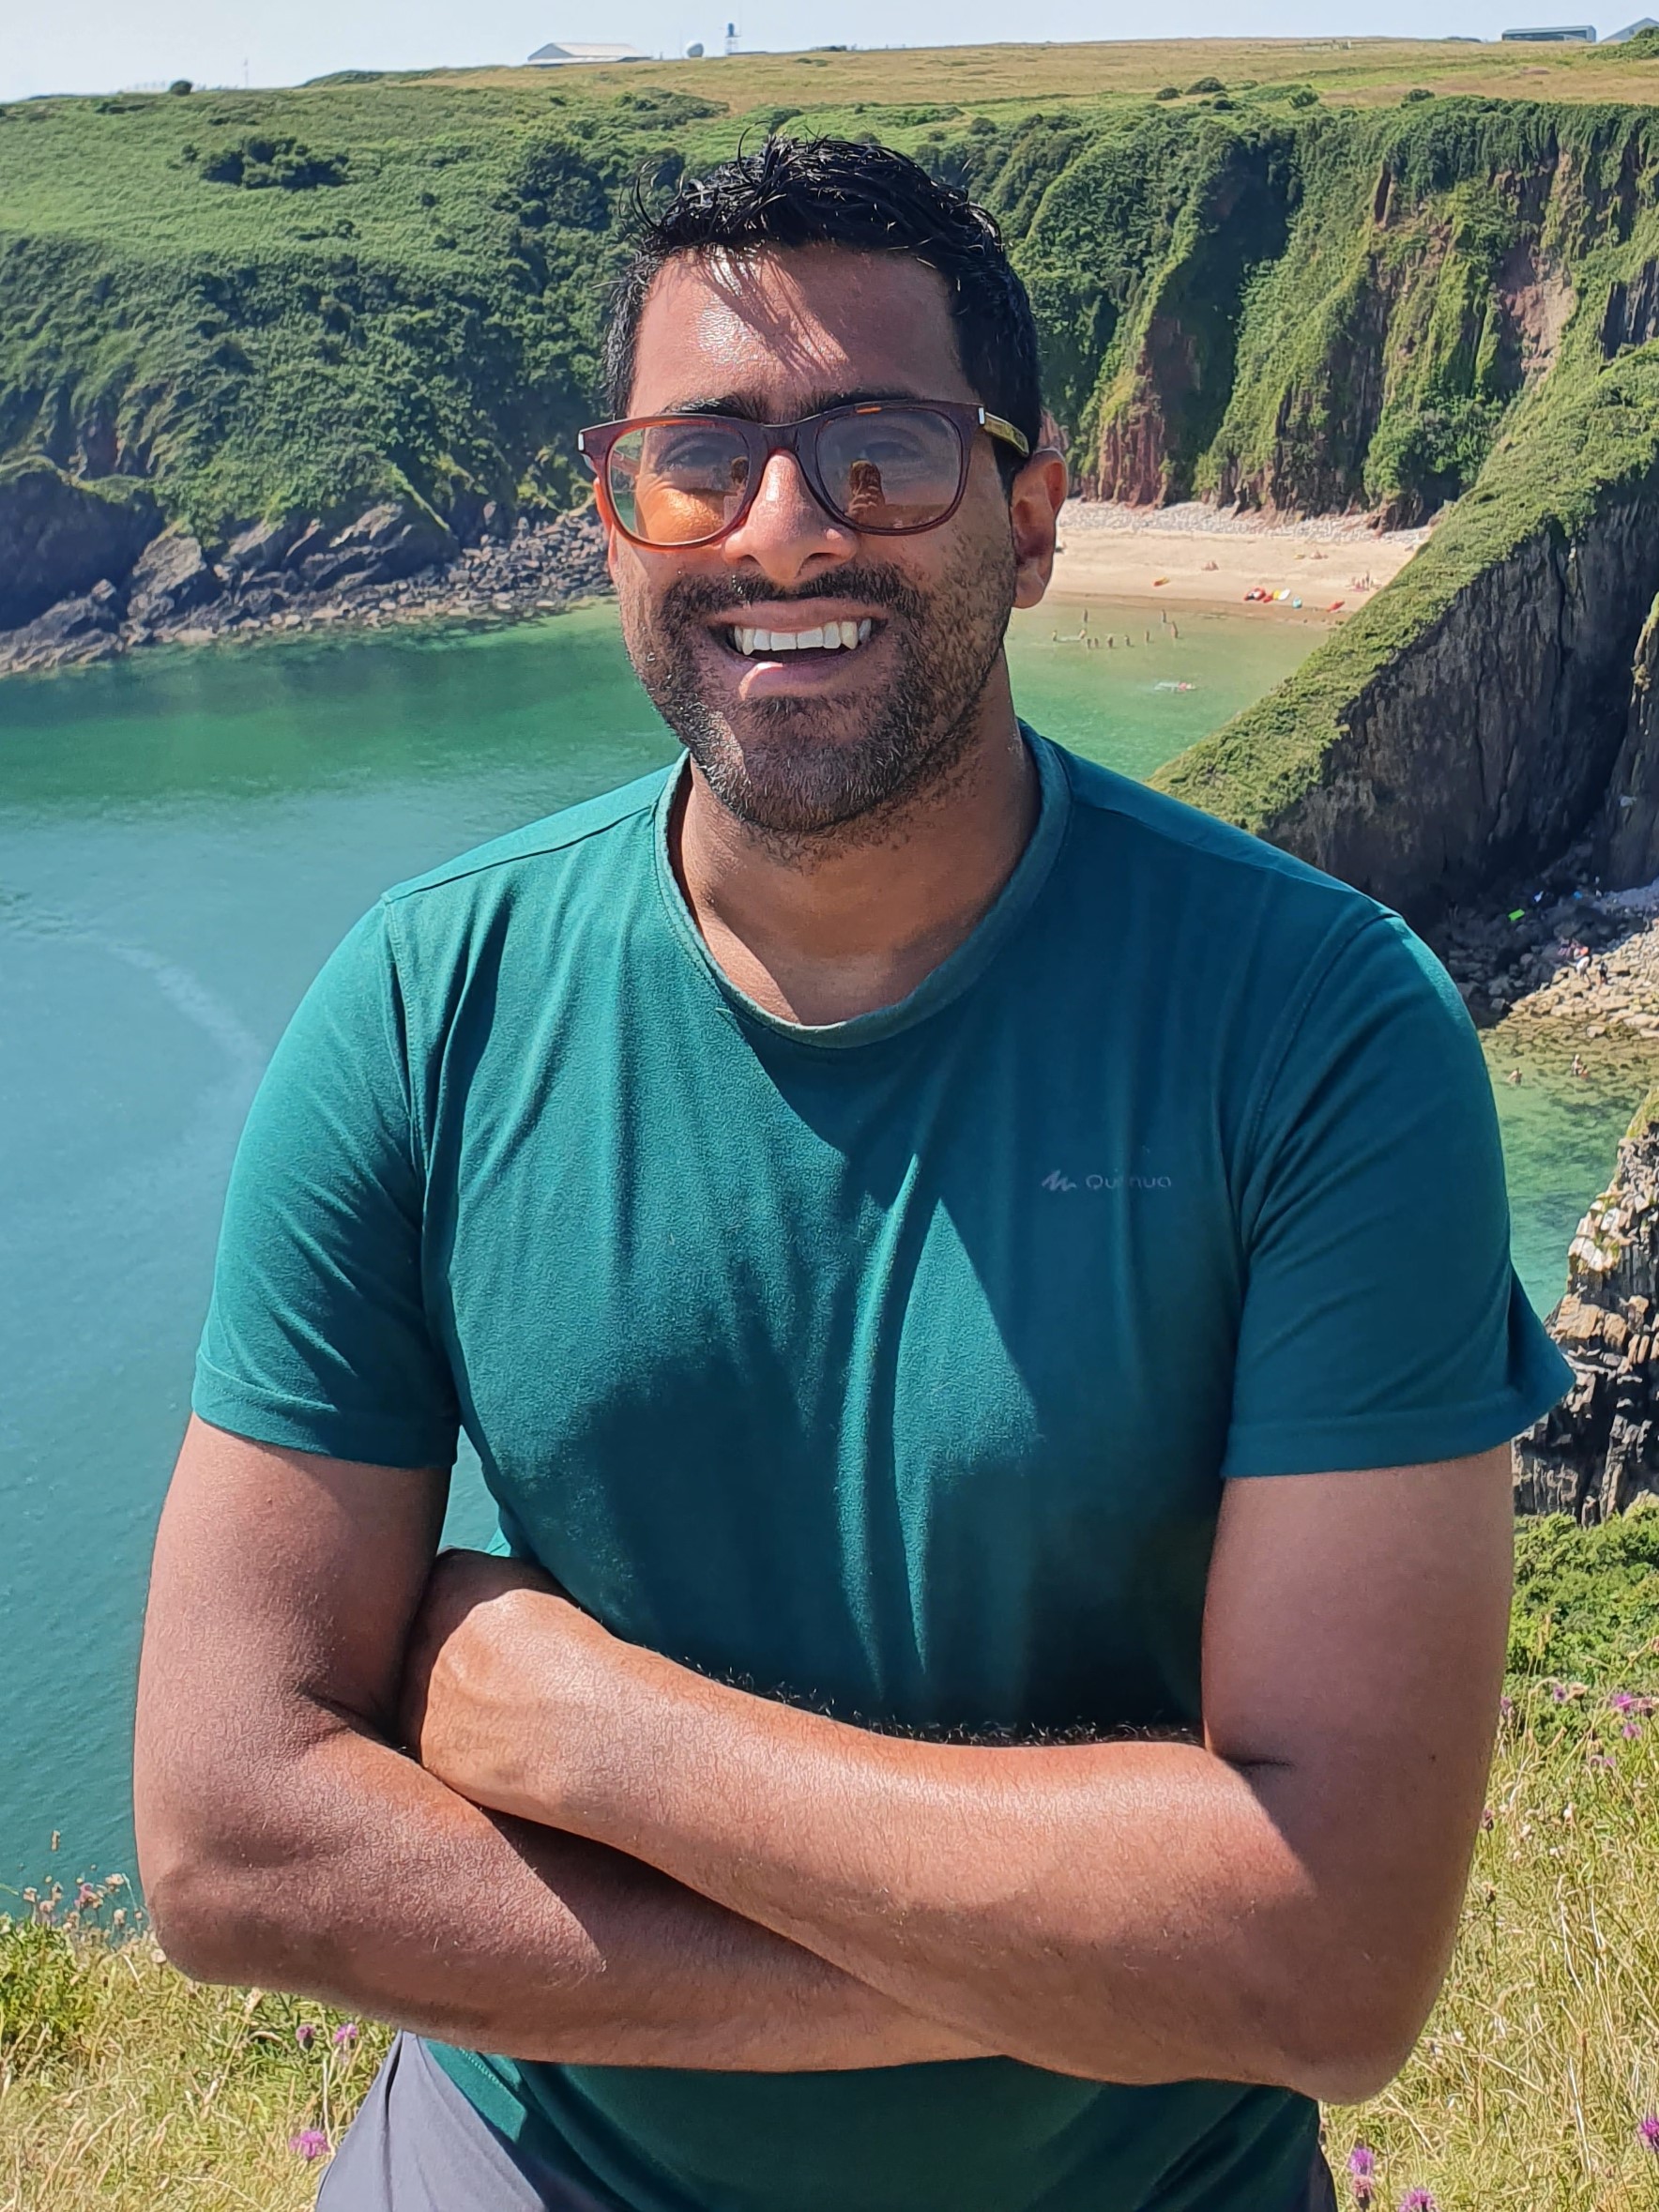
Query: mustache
column 691, row 599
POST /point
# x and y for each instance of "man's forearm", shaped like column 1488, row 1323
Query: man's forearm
column 361, row 1880
column 1125, row 1911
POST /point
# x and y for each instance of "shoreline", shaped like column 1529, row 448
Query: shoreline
column 1212, row 559
column 1563, row 984
column 1201, row 559
column 538, row 570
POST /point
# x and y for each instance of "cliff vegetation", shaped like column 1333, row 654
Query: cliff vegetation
column 1325, row 275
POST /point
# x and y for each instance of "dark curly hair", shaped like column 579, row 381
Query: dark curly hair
column 838, row 191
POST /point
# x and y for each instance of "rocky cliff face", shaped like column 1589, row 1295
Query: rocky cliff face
column 392, row 563
column 61, row 536
column 1630, row 825
column 1485, row 744
column 1599, row 1449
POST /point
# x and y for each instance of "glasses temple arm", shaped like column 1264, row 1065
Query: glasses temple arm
column 1006, row 432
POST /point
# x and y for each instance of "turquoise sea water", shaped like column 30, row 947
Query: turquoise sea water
column 182, row 839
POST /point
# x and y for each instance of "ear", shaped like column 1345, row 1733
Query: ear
column 1034, row 501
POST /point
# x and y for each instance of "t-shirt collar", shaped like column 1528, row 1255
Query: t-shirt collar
column 941, row 984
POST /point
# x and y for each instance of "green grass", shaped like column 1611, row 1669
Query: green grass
column 298, row 301
column 1315, row 289
column 123, row 2087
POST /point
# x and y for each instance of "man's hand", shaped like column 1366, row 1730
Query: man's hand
column 1132, row 1911
column 461, row 1701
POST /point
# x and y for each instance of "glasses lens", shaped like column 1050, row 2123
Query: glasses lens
column 893, row 468
column 674, row 482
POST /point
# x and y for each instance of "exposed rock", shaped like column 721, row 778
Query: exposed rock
column 1630, row 829
column 83, row 628
column 397, row 562
column 171, row 576
column 1599, row 1449
column 1488, row 738
column 263, row 548
column 389, row 541
column 59, row 536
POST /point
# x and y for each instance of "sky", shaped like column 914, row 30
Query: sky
column 108, row 45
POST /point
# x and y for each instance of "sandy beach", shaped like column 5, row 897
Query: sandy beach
column 1196, row 556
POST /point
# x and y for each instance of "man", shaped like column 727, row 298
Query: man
column 982, row 1297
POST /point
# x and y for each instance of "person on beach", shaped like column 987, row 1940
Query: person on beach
column 983, row 1298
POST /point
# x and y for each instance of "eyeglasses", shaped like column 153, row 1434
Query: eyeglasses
column 885, row 467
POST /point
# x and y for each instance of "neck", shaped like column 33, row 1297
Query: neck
column 821, row 930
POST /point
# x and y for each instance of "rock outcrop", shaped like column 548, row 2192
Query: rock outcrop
column 60, row 535
column 1630, row 829
column 1484, row 746
column 1467, row 727
column 397, row 562
column 1599, row 1448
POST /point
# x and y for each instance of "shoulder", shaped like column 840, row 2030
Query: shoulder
column 1244, row 903
column 1179, row 845
column 599, row 833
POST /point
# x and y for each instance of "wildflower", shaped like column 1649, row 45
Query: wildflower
column 1417, row 2200
column 1601, row 1758
column 1559, row 1692
column 1488, row 1817
column 311, row 2142
column 346, row 2034
column 1361, row 2166
column 86, row 1895
column 1647, row 2132
column 305, row 2034
column 1621, row 1701
column 1506, row 1706
column 1631, row 1727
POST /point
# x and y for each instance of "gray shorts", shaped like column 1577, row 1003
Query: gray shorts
column 419, row 2145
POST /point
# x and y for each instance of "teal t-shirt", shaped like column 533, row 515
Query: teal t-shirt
column 897, row 1364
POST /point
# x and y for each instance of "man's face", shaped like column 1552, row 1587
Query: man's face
column 800, row 742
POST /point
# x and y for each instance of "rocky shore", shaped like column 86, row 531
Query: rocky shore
column 1564, row 954
column 1599, row 1449
column 394, row 564
column 1565, row 979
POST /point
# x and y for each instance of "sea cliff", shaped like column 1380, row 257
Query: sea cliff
column 1598, row 1450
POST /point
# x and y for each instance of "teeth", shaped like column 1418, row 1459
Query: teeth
column 832, row 637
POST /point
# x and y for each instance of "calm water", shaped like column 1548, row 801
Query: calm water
column 182, row 839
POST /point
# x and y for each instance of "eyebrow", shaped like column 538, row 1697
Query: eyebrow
column 819, row 403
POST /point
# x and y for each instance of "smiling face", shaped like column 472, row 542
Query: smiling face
column 816, row 674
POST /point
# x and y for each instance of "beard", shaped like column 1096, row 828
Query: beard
column 787, row 768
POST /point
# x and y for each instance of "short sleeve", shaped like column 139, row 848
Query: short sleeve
column 1382, row 1323
column 317, row 1335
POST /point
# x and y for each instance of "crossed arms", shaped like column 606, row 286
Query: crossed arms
column 602, row 1858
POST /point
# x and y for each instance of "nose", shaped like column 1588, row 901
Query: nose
column 786, row 534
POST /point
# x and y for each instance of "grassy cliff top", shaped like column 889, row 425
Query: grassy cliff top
column 1369, row 71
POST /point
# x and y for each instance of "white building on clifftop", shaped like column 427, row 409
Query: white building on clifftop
column 558, row 56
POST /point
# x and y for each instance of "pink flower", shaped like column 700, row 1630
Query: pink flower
column 305, row 2034
column 1647, row 2131
column 1631, row 1727
column 311, row 2142
column 1621, row 1701
column 1487, row 1817
column 1506, row 1706
column 1417, row 2200
column 346, row 2034
column 1361, row 2166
